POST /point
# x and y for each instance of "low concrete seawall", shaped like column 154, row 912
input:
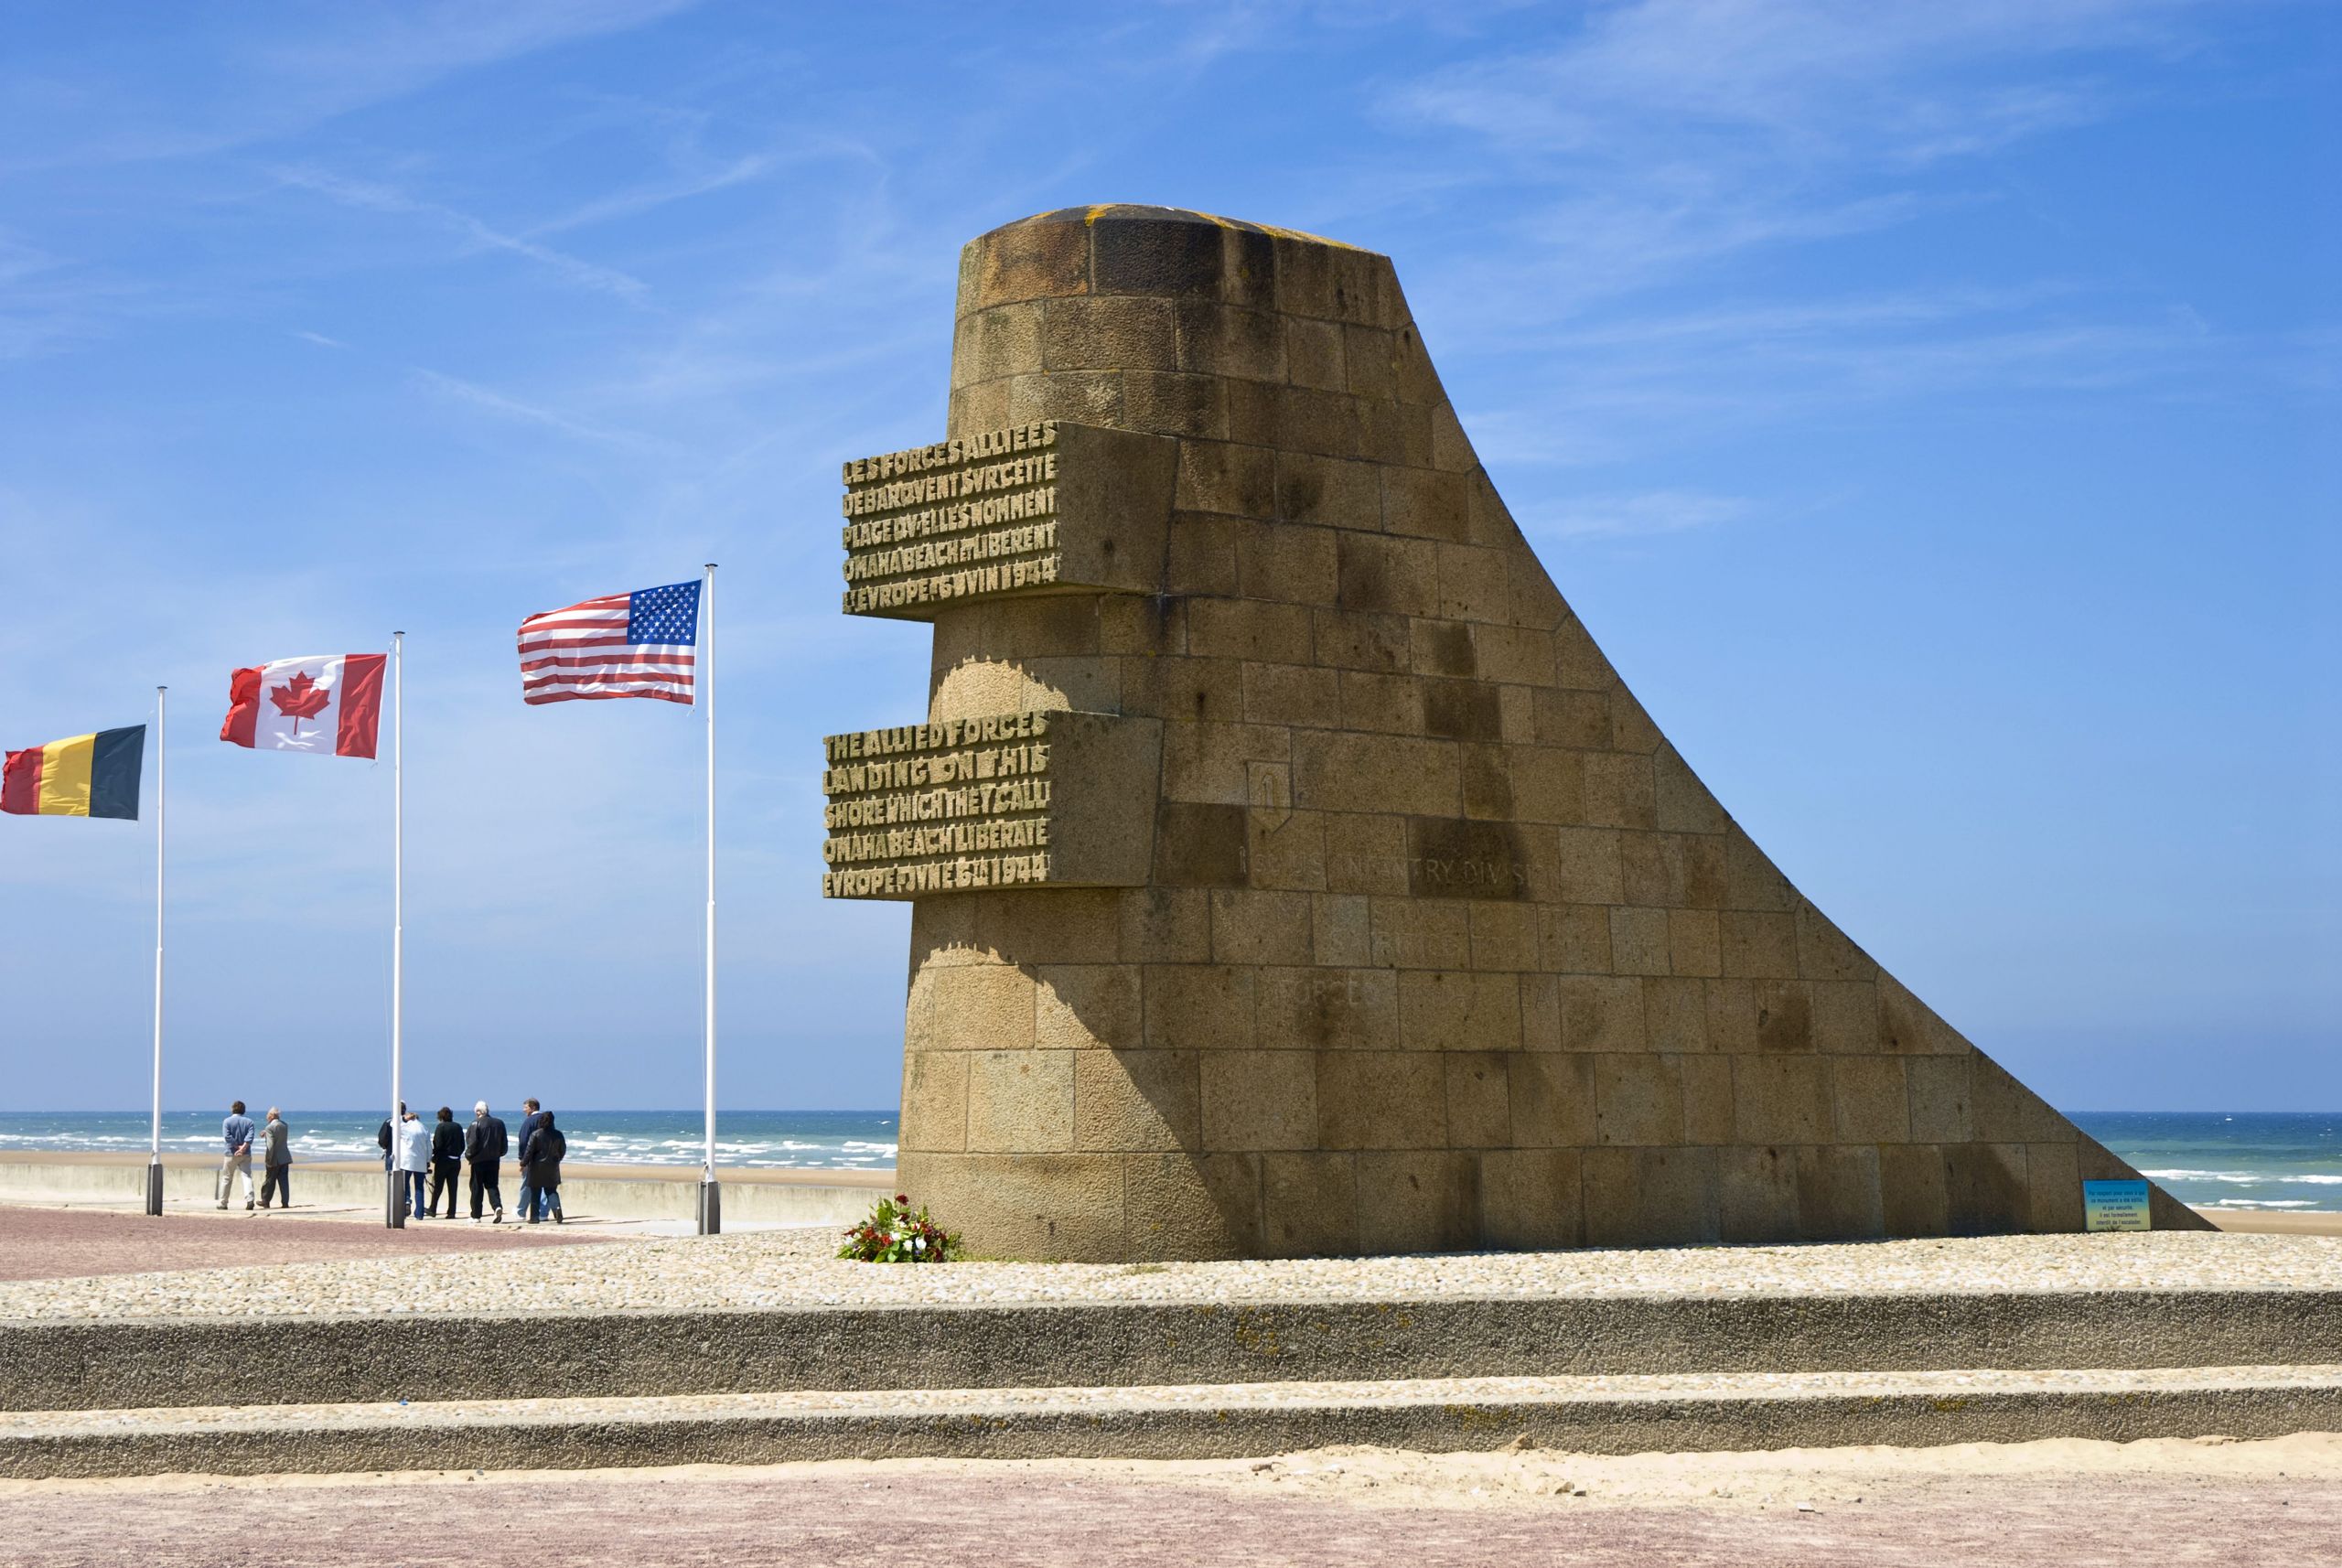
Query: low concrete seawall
column 608, row 1192
column 1165, row 1424
column 200, row 1361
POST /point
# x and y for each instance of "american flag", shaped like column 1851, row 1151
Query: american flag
column 621, row 645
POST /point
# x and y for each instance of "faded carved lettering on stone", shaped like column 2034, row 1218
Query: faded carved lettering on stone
column 1451, row 858
column 1436, row 877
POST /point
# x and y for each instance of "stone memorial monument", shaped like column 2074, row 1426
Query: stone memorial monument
column 1291, row 873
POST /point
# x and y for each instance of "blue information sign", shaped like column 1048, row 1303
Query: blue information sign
column 2114, row 1206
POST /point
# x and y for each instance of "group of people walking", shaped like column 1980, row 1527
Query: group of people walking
column 421, row 1153
column 437, row 1152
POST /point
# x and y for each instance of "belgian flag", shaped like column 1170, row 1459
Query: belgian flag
column 87, row 776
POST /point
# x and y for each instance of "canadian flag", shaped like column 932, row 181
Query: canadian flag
column 330, row 704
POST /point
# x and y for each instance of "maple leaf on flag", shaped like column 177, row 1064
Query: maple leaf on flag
column 300, row 697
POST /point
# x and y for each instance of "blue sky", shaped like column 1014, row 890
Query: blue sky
column 1933, row 409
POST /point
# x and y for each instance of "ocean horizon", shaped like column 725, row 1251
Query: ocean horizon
column 2281, row 1160
column 762, row 1139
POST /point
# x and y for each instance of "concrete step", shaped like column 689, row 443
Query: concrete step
column 1666, row 1412
column 80, row 1364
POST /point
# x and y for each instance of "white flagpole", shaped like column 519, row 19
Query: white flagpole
column 154, row 1126
column 395, row 1209
column 711, row 1197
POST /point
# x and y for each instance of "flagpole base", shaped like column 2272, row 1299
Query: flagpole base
column 153, row 1186
column 394, row 1200
column 711, row 1208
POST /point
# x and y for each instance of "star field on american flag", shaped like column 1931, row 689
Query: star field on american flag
column 669, row 615
column 621, row 645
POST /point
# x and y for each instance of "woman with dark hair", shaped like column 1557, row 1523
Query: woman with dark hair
column 447, row 1162
column 543, row 1154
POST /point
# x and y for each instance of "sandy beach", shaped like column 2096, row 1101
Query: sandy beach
column 2275, row 1221
column 31, row 1162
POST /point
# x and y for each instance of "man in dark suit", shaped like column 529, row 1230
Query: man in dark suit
column 483, row 1146
column 447, row 1162
column 533, row 1200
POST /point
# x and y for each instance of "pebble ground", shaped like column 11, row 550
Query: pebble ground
column 775, row 1269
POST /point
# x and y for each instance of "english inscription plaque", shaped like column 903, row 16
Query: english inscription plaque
column 965, row 805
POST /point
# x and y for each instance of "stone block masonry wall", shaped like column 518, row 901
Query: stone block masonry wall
column 1440, row 944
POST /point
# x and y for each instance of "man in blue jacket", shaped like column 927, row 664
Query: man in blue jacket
column 238, row 1131
column 484, row 1145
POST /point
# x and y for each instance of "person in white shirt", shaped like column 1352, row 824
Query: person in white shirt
column 411, row 1151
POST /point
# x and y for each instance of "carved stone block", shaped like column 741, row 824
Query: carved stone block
column 968, row 805
column 1043, row 507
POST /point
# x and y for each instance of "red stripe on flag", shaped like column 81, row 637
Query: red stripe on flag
column 574, row 644
column 20, row 783
column 244, row 707
column 618, row 688
column 621, row 605
column 613, row 637
column 616, row 670
column 535, row 699
column 573, row 623
column 360, row 703
column 605, row 661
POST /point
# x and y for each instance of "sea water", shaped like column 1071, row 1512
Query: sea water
column 2244, row 1160
column 775, row 1140
column 2274, row 1159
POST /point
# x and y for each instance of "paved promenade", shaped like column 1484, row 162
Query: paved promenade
column 65, row 1244
column 2066, row 1505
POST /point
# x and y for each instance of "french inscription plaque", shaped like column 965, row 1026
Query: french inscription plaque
column 1035, row 507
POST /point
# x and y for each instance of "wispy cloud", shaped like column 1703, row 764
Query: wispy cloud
column 1660, row 136
column 1635, row 516
column 513, row 410
column 1812, row 79
column 386, row 49
column 1685, row 179
column 48, row 303
column 301, row 70
column 320, row 340
column 1600, row 244
column 371, row 196
column 635, row 200
column 1631, row 384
